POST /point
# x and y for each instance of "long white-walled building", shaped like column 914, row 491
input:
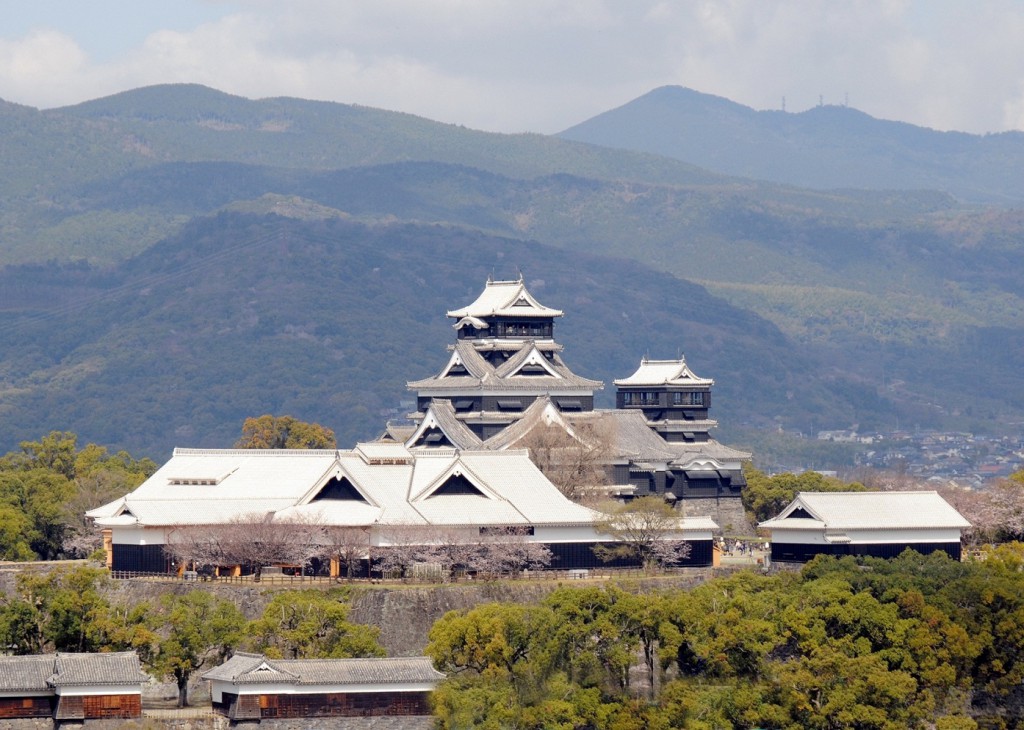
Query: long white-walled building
column 377, row 487
column 877, row 524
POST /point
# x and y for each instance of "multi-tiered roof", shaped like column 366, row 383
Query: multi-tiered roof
column 505, row 379
column 504, row 358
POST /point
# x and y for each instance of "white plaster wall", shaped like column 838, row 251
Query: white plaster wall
column 918, row 535
column 98, row 689
column 564, row 533
column 866, row 537
column 219, row 687
column 137, row 535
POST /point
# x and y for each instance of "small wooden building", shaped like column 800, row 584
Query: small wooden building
column 253, row 687
column 68, row 686
column 876, row 524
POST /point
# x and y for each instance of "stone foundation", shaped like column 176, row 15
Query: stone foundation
column 727, row 513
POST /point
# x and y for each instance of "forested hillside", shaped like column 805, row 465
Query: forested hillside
column 243, row 314
column 866, row 307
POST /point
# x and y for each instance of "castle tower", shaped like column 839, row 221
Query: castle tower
column 504, row 358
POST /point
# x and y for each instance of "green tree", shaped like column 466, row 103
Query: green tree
column 725, row 628
column 15, row 531
column 40, row 495
column 830, row 689
column 312, row 624
column 766, row 496
column 500, row 642
column 54, row 452
column 284, row 432
column 100, row 477
column 124, row 626
column 196, row 628
column 20, row 626
column 67, row 599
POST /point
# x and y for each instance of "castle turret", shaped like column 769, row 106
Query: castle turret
column 673, row 399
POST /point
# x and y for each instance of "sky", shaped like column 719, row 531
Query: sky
column 533, row 65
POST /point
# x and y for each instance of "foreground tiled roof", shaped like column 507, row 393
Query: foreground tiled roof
column 25, row 673
column 42, row 672
column 245, row 668
column 869, row 510
column 117, row 667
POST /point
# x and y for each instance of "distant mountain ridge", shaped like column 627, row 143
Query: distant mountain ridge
column 824, row 147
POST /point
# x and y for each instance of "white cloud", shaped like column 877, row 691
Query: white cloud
column 543, row 65
column 44, row 65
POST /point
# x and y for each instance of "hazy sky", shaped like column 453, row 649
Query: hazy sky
column 533, row 65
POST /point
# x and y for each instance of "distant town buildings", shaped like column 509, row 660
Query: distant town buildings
column 960, row 458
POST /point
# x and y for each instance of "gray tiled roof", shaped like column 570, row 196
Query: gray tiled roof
column 25, row 673
column 118, row 667
column 457, row 432
column 506, row 298
column 41, row 672
column 628, row 430
column 257, row 669
column 482, row 375
column 664, row 372
column 512, row 433
column 686, row 453
column 870, row 510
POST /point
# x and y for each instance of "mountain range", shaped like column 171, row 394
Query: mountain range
column 176, row 259
column 828, row 146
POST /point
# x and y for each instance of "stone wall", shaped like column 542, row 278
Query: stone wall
column 728, row 513
column 27, row 723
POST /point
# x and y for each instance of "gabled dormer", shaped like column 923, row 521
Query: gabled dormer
column 441, row 428
column 339, row 489
column 456, row 480
column 455, row 368
column 529, row 362
column 337, row 485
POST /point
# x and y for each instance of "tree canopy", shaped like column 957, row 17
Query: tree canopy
column 284, row 432
column 913, row 642
column 46, row 488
